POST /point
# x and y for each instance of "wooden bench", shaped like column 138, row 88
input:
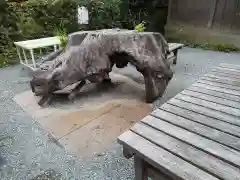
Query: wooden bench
column 195, row 135
column 173, row 51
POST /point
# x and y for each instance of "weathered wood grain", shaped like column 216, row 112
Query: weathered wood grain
column 224, row 74
column 163, row 160
column 224, row 70
column 202, row 119
column 210, row 105
column 210, row 98
column 218, row 150
column 214, row 93
column 140, row 169
column 174, row 46
column 223, row 80
column 200, row 129
column 227, row 70
column 231, row 66
column 217, row 84
column 236, row 66
column 189, row 153
column 206, row 111
column 219, row 89
column 220, row 76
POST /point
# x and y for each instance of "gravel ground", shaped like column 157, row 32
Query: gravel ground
column 27, row 152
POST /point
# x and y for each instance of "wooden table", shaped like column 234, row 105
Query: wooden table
column 30, row 45
column 193, row 136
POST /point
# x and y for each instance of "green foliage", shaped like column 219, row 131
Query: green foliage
column 225, row 47
column 32, row 19
column 140, row 27
column 214, row 47
column 153, row 12
column 104, row 13
column 61, row 32
column 3, row 61
column 42, row 18
column 206, row 46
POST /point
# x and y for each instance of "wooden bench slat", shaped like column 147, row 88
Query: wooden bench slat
column 218, row 89
column 222, row 80
column 228, row 64
column 221, row 75
column 218, row 100
column 189, row 153
column 215, row 93
column 218, row 150
column 234, row 66
column 163, row 160
column 174, row 46
column 206, row 111
column 225, row 74
column 226, row 70
column 173, row 51
column 202, row 119
column 217, row 84
column 194, row 127
column 210, row 105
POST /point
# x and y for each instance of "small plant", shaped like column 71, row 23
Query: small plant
column 140, row 27
column 3, row 61
column 62, row 33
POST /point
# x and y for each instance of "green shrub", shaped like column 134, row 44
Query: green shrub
column 3, row 61
column 206, row 46
column 225, row 47
column 40, row 18
column 62, row 33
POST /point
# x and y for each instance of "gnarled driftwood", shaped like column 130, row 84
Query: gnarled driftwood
column 91, row 56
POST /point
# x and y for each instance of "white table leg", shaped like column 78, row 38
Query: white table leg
column 19, row 55
column 25, row 56
column 33, row 59
column 55, row 47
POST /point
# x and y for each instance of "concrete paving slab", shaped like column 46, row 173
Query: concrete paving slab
column 96, row 118
column 61, row 125
column 98, row 134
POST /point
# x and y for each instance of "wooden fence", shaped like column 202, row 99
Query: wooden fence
column 207, row 13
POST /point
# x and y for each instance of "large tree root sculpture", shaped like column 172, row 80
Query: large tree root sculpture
column 95, row 56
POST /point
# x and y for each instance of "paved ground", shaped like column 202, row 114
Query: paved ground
column 27, row 152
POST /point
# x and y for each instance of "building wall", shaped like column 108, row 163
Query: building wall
column 221, row 14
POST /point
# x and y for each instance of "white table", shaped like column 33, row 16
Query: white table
column 30, row 45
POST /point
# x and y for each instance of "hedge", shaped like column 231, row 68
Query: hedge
column 40, row 18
